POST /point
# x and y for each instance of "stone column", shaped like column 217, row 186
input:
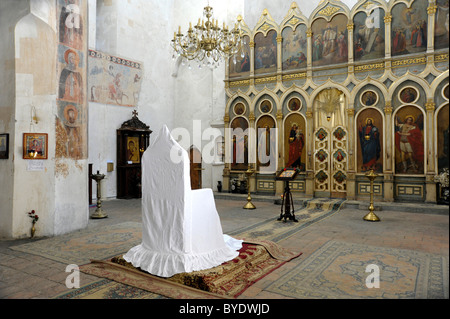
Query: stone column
column 430, row 153
column 309, row 183
column 279, row 185
column 389, row 158
column 351, row 153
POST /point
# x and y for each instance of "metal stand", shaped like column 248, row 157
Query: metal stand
column 371, row 217
column 249, row 204
column 287, row 204
column 99, row 211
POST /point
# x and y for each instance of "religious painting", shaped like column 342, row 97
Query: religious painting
column 70, row 80
column 294, row 47
column 114, row 80
column 294, row 141
column 441, row 25
column 409, row 140
column 265, row 52
column 369, row 124
column 267, row 144
column 368, row 35
column 330, row 41
column 442, row 138
column 4, row 146
column 71, row 27
column 294, row 104
column 35, row 146
column 71, row 119
column 70, row 131
column 369, row 98
column 408, row 95
column 133, row 154
column 265, row 106
column 239, row 109
column 239, row 64
column 239, row 138
column 409, row 28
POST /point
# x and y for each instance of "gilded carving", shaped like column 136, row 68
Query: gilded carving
column 329, row 11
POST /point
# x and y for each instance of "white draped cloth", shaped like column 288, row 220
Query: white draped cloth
column 181, row 227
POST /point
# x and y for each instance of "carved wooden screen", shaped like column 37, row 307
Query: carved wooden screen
column 330, row 161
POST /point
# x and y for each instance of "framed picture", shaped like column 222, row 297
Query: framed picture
column 35, row 146
column 133, row 155
column 287, row 174
column 4, row 146
column 409, row 95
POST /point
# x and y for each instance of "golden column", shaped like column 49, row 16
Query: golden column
column 371, row 215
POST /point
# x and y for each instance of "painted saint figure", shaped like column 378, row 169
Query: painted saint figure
column 296, row 143
column 408, row 141
column 70, row 82
column 369, row 137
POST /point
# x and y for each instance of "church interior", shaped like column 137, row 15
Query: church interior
column 315, row 135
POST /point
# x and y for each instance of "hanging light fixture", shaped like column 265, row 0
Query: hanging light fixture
column 206, row 43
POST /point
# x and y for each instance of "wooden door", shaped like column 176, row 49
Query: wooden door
column 196, row 168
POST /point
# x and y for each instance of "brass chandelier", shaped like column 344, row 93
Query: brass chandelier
column 207, row 43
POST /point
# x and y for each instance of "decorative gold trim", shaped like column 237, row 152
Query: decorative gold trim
column 350, row 26
column 400, row 63
column 239, row 83
column 265, row 27
column 309, row 114
column 329, row 11
column 266, row 80
column 279, row 115
column 350, row 112
column 441, row 57
column 294, row 21
column 430, row 106
column 388, row 18
column 432, row 9
column 368, row 67
column 309, row 33
column 388, row 109
column 288, row 77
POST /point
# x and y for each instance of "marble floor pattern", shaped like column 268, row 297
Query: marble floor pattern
column 410, row 249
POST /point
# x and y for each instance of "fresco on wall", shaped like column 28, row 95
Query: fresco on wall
column 239, row 65
column 267, row 143
column 442, row 138
column 294, row 47
column 294, row 141
column 441, row 26
column 113, row 80
column 239, row 159
column 266, row 52
column 409, row 28
column 71, row 117
column 71, row 82
column 409, row 140
column 71, row 26
column 370, row 141
column 368, row 35
column 330, row 41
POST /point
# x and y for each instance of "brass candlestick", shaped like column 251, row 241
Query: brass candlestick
column 371, row 215
column 249, row 204
column 99, row 213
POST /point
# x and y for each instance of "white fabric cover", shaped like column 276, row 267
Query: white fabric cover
column 181, row 227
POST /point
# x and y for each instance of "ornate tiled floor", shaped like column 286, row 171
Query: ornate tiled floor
column 410, row 250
